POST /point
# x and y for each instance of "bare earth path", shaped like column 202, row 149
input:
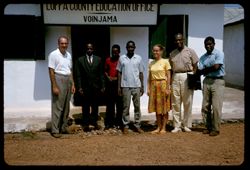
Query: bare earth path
column 184, row 148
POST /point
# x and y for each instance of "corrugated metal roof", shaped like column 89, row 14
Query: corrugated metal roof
column 233, row 13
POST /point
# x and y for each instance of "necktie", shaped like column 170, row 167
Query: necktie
column 90, row 61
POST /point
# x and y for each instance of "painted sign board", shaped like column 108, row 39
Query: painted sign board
column 101, row 14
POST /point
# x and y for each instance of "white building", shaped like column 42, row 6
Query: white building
column 234, row 46
column 27, row 98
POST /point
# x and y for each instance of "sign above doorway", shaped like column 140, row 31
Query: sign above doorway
column 101, row 14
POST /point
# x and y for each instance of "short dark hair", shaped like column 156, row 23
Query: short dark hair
column 179, row 34
column 116, row 46
column 91, row 43
column 130, row 42
column 209, row 38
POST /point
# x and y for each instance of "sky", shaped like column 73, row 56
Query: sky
column 233, row 5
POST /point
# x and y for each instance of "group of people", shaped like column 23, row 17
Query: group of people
column 121, row 79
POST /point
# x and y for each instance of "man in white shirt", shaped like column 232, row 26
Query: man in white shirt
column 62, row 86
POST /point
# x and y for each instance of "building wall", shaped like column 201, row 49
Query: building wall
column 204, row 20
column 27, row 85
column 234, row 54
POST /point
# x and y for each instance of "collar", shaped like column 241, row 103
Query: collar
column 212, row 53
column 131, row 57
column 64, row 55
column 90, row 56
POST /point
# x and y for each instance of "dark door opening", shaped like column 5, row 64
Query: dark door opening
column 98, row 35
column 163, row 33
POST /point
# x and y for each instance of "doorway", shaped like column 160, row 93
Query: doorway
column 98, row 35
column 163, row 33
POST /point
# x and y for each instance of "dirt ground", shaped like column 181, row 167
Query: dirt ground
column 106, row 148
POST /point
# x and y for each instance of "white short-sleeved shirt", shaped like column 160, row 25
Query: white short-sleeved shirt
column 130, row 69
column 62, row 64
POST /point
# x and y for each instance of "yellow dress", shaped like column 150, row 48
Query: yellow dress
column 158, row 101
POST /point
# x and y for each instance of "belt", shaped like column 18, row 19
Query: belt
column 64, row 75
column 221, row 77
column 159, row 80
column 182, row 71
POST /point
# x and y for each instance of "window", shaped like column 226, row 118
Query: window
column 23, row 37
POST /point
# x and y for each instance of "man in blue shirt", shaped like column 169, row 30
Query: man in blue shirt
column 211, row 65
column 130, row 84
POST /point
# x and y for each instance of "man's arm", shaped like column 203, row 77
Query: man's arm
column 207, row 70
column 195, row 60
column 73, row 89
column 119, row 83
column 195, row 67
column 106, row 69
column 142, row 83
column 102, row 74
column 55, row 88
column 78, row 77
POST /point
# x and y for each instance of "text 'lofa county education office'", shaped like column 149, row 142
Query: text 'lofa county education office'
column 33, row 30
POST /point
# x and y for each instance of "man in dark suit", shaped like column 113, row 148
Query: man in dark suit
column 90, row 85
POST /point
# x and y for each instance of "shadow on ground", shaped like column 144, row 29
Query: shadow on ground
column 146, row 125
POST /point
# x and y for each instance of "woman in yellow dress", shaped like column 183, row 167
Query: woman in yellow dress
column 158, row 88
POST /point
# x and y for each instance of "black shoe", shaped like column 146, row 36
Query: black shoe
column 106, row 128
column 205, row 131
column 97, row 127
column 67, row 131
column 118, row 127
column 139, row 130
column 214, row 133
column 125, row 131
column 56, row 135
column 86, row 129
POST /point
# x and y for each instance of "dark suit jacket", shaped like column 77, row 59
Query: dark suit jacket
column 90, row 77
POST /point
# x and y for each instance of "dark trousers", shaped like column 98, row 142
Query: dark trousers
column 113, row 105
column 90, row 110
